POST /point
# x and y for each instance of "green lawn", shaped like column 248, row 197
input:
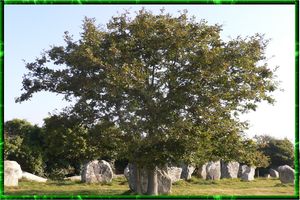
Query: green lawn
column 119, row 186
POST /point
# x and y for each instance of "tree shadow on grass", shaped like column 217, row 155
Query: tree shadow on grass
column 60, row 183
column 128, row 192
column 201, row 182
column 123, row 183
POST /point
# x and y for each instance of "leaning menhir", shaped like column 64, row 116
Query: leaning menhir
column 32, row 177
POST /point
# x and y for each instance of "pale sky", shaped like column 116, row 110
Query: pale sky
column 28, row 29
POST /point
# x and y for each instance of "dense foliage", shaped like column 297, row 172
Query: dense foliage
column 280, row 151
column 24, row 143
column 164, row 88
column 59, row 147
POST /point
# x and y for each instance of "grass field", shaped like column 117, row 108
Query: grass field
column 119, row 186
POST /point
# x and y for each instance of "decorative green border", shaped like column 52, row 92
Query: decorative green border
column 149, row 1
column 216, row 197
column 1, row 96
column 9, row 2
column 297, row 98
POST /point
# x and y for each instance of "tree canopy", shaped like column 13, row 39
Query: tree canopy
column 168, row 87
column 24, row 143
column 280, row 151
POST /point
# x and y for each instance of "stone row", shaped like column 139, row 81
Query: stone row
column 101, row 171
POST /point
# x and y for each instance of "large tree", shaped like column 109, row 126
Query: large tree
column 169, row 87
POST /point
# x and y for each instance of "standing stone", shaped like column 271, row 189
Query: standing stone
column 213, row 170
column 187, row 171
column 10, row 177
column 229, row 169
column 174, row 173
column 163, row 179
column 127, row 171
column 286, row 174
column 15, row 165
column 267, row 176
column 242, row 170
column 12, row 173
column 201, row 171
column 247, row 173
column 164, row 182
column 274, row 173
column 112, row 165
column 97, row 172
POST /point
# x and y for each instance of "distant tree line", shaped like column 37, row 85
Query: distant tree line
column 60, row 147
column 278, row 151
column 56, row 149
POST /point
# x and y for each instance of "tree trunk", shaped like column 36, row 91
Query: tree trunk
column 137, row 180
column 152, row 188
